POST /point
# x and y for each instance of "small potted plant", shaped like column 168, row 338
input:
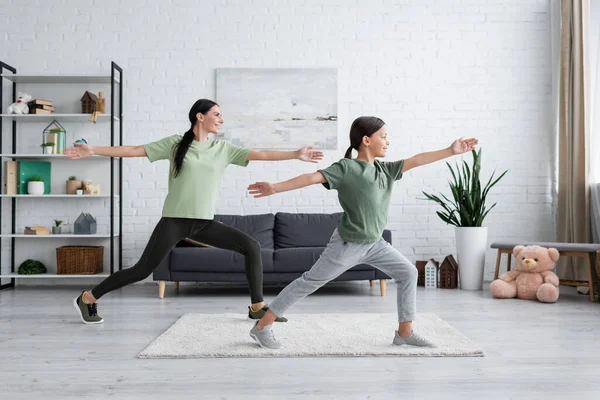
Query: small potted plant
column 57, row 228
column 48, row 147
column 35, row 185
column 72, row 185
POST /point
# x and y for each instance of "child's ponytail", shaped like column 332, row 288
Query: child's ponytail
column 348, row 153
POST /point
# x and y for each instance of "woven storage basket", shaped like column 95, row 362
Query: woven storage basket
column 82, row 260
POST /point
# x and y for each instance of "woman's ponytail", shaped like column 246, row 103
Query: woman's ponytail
column 181, row 150
column 201, row 106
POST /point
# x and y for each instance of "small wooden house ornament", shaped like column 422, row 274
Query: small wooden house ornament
column 88, row 103
column 92, row 104
column 431, row 274
column 449, row 273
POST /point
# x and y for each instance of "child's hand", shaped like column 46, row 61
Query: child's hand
column 261, row 189
column 462, row 145
column 309, row 155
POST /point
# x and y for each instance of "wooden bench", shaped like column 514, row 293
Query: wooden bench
column 589, row 251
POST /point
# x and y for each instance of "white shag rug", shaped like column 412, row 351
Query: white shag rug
column 306, row 335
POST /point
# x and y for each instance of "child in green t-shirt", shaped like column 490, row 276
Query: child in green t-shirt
column 364, row 187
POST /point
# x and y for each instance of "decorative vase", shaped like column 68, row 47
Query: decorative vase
column 72, row 186
column 56, row 230
column 35, row 188
column 471, row 245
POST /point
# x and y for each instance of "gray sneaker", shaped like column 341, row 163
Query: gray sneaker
column 265, row 338
column 87, row 312
column 413, row 340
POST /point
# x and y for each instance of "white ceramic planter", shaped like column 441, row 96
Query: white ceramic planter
column 48, row 149
column 36, row 188
column 471, row 245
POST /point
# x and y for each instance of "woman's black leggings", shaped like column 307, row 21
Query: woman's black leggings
column 169, row 231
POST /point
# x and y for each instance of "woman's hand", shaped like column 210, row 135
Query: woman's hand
column 262, row 189
column 81, row 150
column 309, row 155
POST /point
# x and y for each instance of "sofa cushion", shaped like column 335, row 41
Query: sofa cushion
column 259, row 226
column 304, row 230
column 302, row 259
column 211, row 259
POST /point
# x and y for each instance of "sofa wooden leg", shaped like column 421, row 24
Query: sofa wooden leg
column 161, row 289
column 177, row 285
column 382, row 286
column 372, row 282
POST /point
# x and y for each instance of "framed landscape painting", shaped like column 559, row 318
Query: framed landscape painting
column 278, row 108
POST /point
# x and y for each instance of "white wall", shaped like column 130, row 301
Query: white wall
column 433, row 70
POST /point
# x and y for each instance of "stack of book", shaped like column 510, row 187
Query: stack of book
column 39, row 106
column 36, row 230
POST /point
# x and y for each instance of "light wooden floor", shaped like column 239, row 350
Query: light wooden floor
column 533, row 350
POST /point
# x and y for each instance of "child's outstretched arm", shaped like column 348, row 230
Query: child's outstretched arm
column 263, row 189
column 457, row 147
column 304, row 154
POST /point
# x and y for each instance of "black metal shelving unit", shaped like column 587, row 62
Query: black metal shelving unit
column 9, row 76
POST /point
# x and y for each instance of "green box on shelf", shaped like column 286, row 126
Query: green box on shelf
column 27, row 169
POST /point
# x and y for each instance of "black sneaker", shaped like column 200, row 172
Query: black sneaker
column 260, row 313
column 87, row 312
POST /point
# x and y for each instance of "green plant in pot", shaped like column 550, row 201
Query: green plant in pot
column 31, row 267
column 35, row 185
column 48, row 147
column 56, row 229
column 466, row 211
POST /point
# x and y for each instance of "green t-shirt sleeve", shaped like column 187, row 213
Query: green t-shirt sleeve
column 161, row 149
column 334, row 174
column 236, row 155
column 395, row 169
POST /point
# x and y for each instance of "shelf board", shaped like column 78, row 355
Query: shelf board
column 57, row 236
column 53, row 276
column 63, row 117
column 58, row 78
column 60, row 196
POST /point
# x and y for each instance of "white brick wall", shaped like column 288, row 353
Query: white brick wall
column 433, row 70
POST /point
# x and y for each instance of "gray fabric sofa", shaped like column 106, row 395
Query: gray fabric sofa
column 290, row 244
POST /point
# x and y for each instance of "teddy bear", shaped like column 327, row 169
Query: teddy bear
column 533, row 277
column 20, row 106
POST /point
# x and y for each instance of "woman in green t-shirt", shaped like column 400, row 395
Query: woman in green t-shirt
column 196, row 171
column 364, row 187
